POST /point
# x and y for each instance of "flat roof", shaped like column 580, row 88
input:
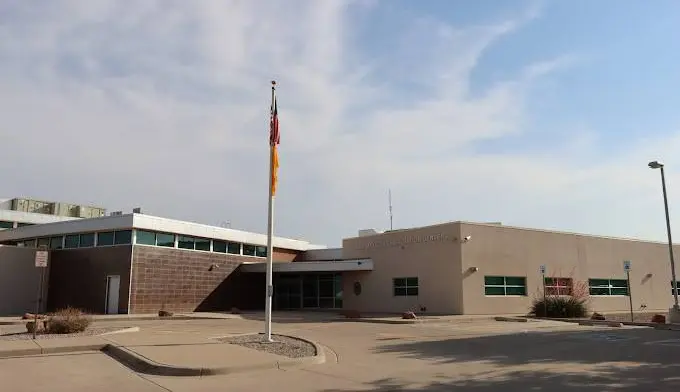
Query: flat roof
column 311, row 266
column 504, row 226
column 32, row 217
column 152, row 223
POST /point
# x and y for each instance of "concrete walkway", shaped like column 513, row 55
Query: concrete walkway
column 179, row 352
column 481, row 356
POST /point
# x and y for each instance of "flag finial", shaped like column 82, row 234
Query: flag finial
column 273, row 83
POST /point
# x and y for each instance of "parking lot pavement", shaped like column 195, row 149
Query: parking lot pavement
column 478, row 356
column 77, row 372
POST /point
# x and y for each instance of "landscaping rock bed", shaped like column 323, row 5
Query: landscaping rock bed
column 28, row 336
column 282, row 345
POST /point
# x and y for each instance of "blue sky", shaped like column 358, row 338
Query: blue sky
column 533, row 113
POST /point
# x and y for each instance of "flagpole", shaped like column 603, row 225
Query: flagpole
column 270, row 235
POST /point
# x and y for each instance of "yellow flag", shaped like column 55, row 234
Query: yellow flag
column 275, row 168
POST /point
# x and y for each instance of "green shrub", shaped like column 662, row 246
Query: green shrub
column 69, row 320
column 560, row 307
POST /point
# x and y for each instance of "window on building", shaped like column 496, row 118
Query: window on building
column 122, row 237
column 505, row 285
column 144, row 237
column 165, row 239
column 105, row 238
column 559, row 286
column 72, row 241
column 185, row 242
column 405, row 287
column 608, row 286
column 249, row 250
column 219, row 246
column 57, row 242
column 261, row 251
column 6, row 225
column 43, row 242
column 30, row 243
column 202, row 244
column 86, row 240
column 234, row 248
column 677, row 288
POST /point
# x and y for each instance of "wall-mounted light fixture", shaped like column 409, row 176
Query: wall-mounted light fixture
column 473, row 269
column 213, row 267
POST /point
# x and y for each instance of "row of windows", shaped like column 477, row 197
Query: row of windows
column 196, row 243
column 10, row 225
column 85, row 240
column 498, row 285
column 515, row 285
column 143, row 237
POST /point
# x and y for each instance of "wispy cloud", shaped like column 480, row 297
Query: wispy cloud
column 164, row 104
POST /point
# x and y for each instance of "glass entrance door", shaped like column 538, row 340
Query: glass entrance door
column 287, row 292
column 308, row 291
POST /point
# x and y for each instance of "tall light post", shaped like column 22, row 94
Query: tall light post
column 675, row 313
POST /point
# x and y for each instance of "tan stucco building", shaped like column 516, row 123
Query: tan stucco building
column 137, row 263
column 473, row 268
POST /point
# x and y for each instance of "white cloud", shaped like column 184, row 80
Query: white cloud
column 164, row 104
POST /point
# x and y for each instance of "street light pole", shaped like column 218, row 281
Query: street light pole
column 660, row 166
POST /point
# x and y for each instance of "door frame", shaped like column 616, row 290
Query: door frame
column 106, row 297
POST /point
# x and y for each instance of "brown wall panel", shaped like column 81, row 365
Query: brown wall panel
column 78, row 277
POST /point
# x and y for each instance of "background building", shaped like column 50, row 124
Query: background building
column 136, row 263
column 18, row 212
column 474, row 268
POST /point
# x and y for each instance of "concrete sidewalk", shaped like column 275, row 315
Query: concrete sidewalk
column 150, row 352
column 132, row 317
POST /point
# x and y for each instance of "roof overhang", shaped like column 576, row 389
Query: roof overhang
column 311, row 266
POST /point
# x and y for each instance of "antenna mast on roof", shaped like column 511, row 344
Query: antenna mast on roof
column 389, row 201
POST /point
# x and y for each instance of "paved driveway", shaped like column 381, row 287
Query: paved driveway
column 476, row 355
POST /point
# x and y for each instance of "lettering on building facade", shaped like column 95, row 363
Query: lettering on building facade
column 407, row 239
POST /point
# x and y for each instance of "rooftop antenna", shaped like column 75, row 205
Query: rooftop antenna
column 389, row 201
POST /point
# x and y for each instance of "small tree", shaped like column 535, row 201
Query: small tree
column 571, row 303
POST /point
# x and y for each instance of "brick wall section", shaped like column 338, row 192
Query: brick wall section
column 181, row 281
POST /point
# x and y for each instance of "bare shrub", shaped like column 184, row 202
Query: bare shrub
column 69, row 320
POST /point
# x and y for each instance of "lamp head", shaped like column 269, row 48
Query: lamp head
column 655, row 165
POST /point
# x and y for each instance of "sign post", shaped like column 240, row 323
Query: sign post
column 545, row 302
column 626, row 268
column 41, row 257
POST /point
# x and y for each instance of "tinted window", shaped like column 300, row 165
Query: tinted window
column 72, row 241
column 164, row 239
column 146, row 237
column 86, row 240
column 234, row 248
column 105, row 238
column 123, row 237
column 185, row 242
column 202, row 244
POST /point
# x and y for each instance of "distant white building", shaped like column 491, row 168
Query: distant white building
column 18, row 212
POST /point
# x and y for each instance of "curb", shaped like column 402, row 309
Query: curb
column 131, row 319
column 142, row 364
column 668, row 327
column 25, row 352
column 511, row 319
column 596, row 323
column 671, row 327
column 119, row 331
column 379, row 321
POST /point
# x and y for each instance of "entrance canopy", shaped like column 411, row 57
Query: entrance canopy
column 311, row 266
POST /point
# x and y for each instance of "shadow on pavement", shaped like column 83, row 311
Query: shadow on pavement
column 602, row 360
